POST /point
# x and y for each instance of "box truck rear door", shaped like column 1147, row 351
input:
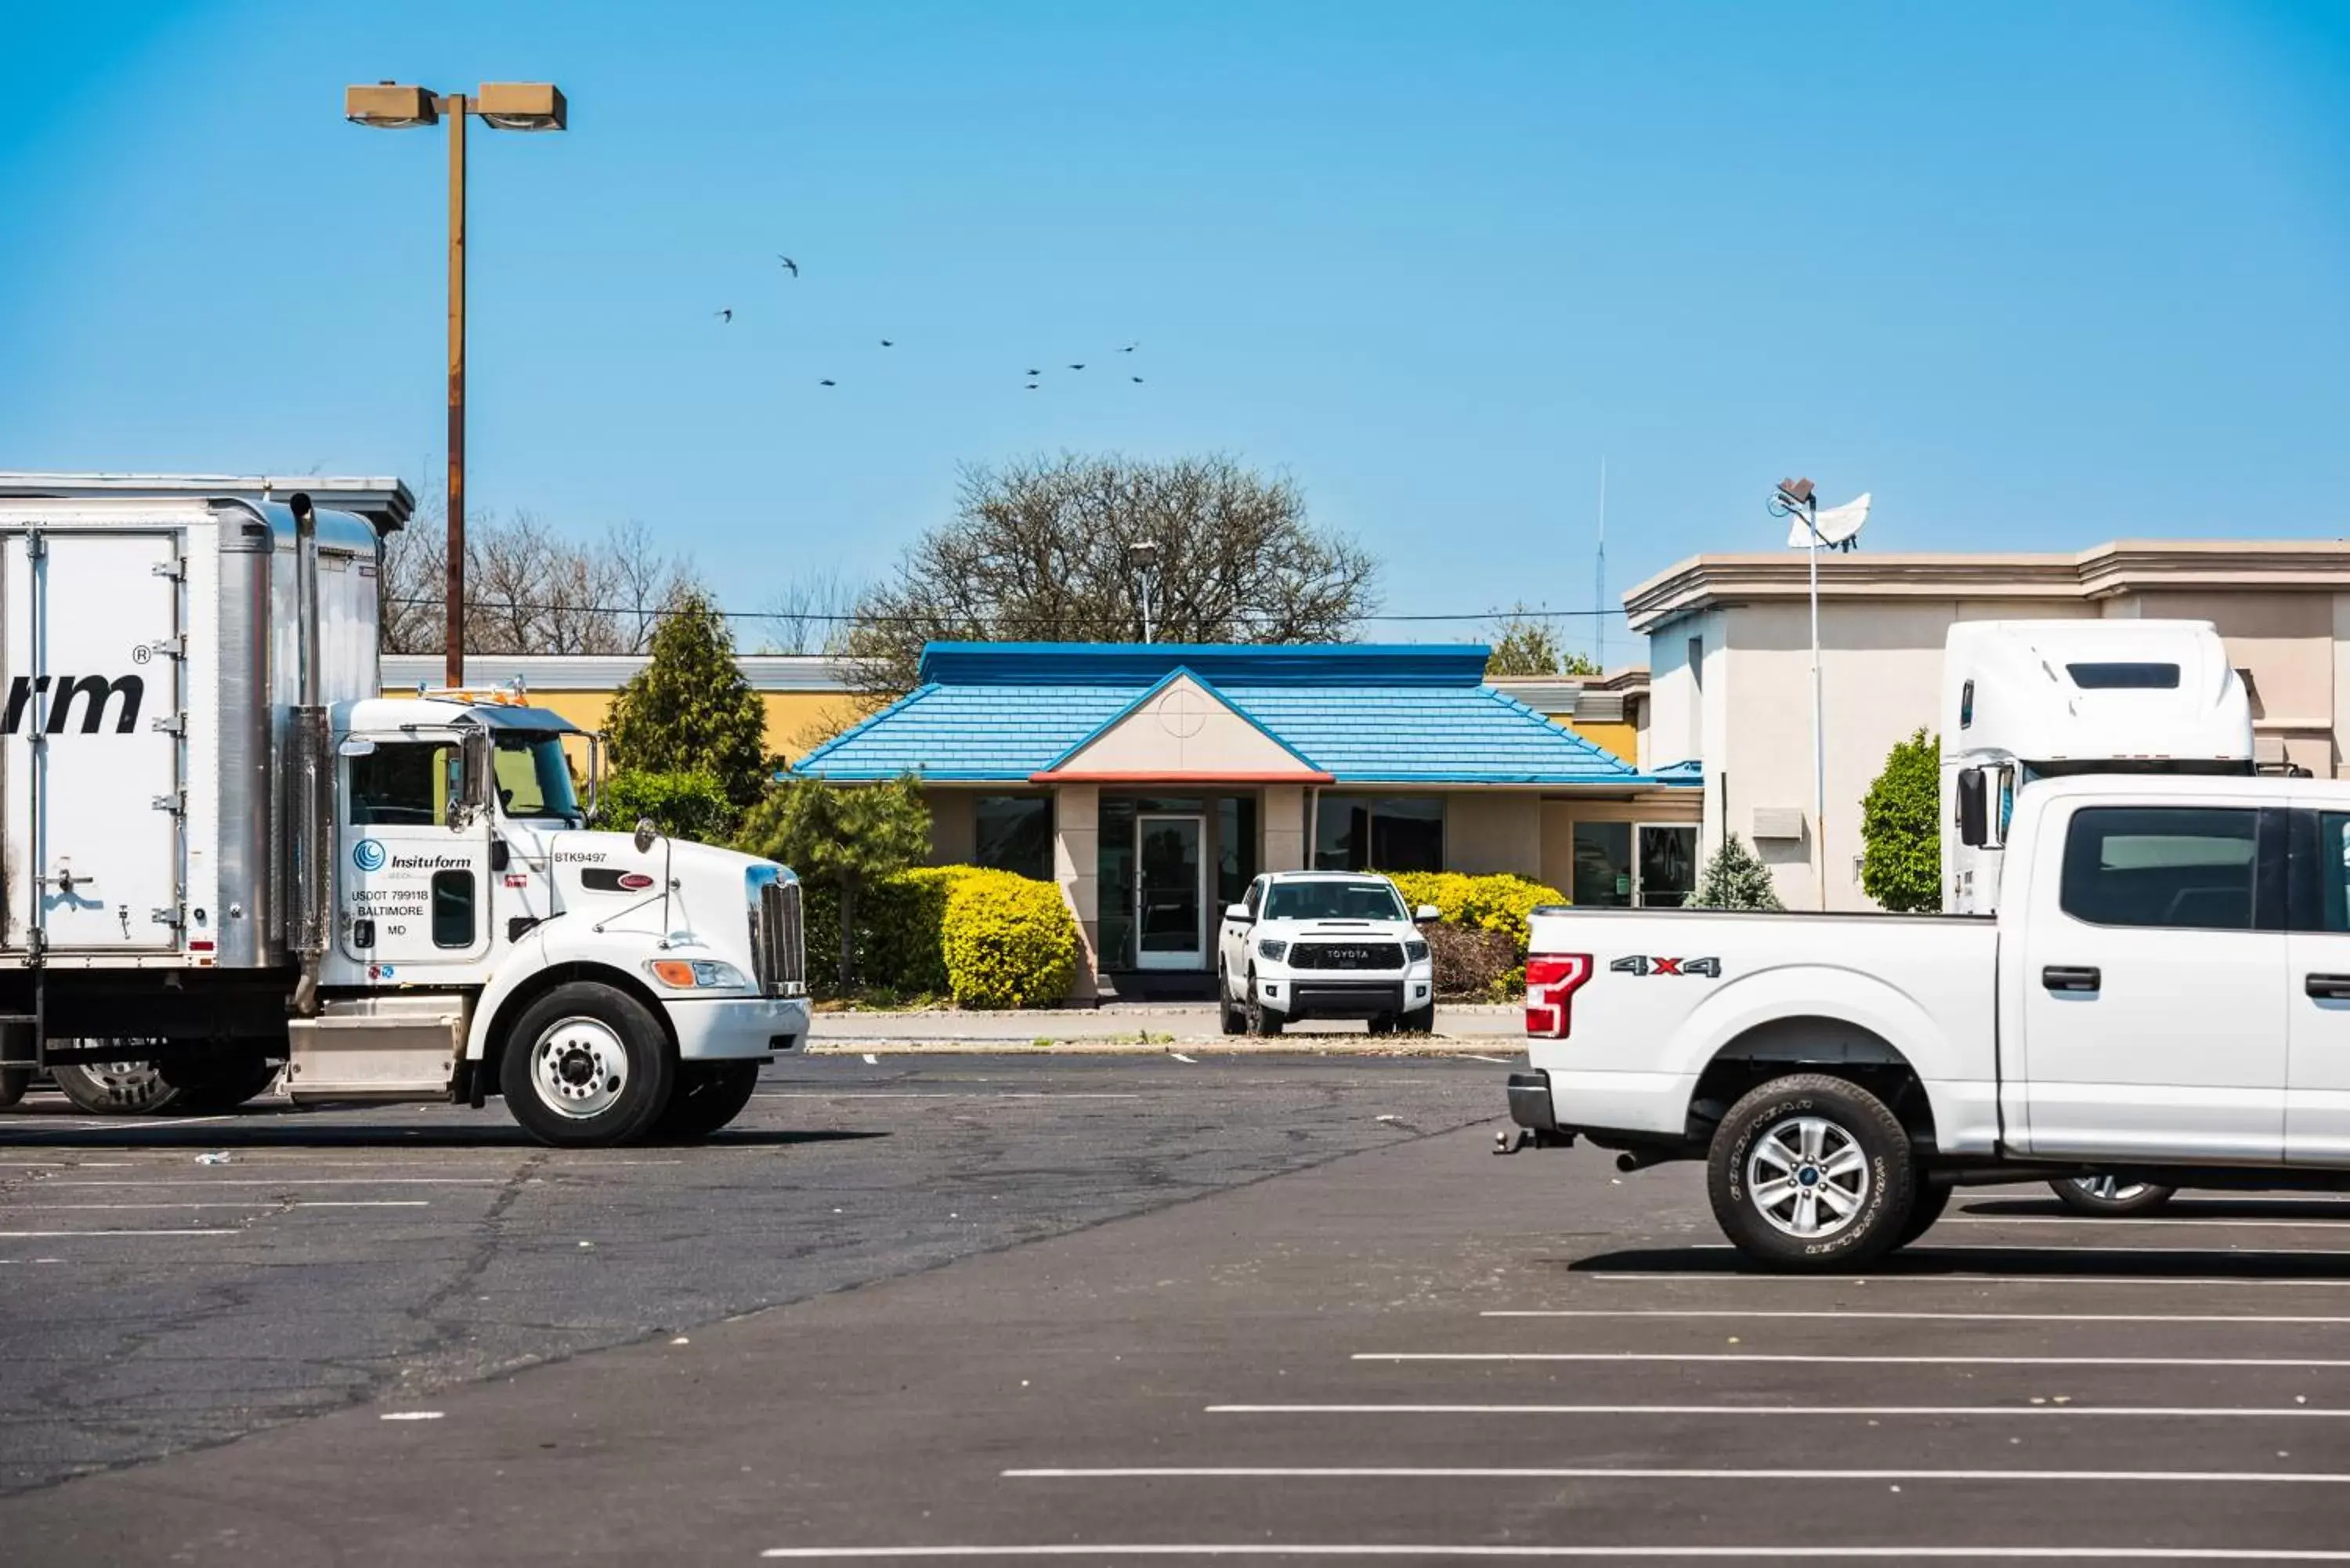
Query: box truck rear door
column 91, row 738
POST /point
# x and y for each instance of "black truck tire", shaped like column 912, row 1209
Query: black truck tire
column 706, row 1097
column 1811, row 1172
column 587, row 1066
column 1925, row 1208
column 13, row 1081
column 116, row 1088
column 221, row 1084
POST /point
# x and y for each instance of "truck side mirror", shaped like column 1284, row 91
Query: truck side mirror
column 472, row 772
column 1974, row 809
column 1238, row 914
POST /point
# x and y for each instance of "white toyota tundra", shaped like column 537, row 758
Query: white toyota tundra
column 2163, row 999
column 1320, row 944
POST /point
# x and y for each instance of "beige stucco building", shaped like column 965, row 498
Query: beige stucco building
column 1730, row 657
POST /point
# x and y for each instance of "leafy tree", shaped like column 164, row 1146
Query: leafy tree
column 1043, row 550
column 691, row 710
column 1524, row 644
column 841, row 837
column 1901, row 828
column 1735, row 879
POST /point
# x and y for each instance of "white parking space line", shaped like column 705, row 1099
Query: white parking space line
column 362, row 1203
column 48, row 1235
column 1638, row 1473
column 1913, row 1316
column 1497, row 1060
column 2243, row 1411
column 1670, row 1356
column 1477, row 1553
column 250, row 1205
column 935, row 1095
column 1190, row 1061
column 1727, row 1276
column 289, row 1182
column 67, row 1165
column 2335, row 1223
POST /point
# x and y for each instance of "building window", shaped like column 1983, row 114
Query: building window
column 1603, row 865
column 1235, row 847
column 1013, row 833
column 1381, row 833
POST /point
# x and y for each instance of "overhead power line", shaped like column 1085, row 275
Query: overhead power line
column 847, row 619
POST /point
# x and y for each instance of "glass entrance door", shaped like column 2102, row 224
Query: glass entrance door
column 1169, row 898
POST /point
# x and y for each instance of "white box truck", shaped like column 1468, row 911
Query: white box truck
column 222, row 848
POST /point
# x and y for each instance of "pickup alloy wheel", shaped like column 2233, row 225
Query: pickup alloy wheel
column 1811, row 1171
column 2109, row 1197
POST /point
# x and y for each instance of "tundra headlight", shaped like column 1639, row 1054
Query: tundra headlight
column 696, row 974
column 1270, row 950
column 1415, row 950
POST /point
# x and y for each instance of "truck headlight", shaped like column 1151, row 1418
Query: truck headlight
column 1270, row 950
column 1415, row 950
column 692, row 974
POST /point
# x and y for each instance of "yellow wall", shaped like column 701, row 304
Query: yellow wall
column 1620, row 739
column 796, row 720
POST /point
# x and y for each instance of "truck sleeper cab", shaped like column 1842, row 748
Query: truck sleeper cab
column 2163, row 999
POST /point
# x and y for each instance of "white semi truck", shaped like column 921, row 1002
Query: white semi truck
column 222, row 850
column 2026, row 700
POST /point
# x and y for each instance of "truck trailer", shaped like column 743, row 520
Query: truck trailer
column 223, row 847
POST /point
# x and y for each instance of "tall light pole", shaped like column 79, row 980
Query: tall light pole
column 1143, row 555
column 502, row 106
column 1798, row 499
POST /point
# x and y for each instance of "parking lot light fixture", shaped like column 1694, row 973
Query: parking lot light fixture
column 502, row 106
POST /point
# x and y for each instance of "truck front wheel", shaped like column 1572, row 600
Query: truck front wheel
column 1811, row 1172
column 706, row 1097
column 586, row 1066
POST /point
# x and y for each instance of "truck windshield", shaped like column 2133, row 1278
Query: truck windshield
column 534, row 778
column 1365, row 900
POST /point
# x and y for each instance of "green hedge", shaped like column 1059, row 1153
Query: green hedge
column 1010, row 941
column 1501, row 903
column 692, row 805
column 987, row 938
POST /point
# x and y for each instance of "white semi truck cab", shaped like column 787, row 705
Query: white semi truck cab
column 221, row 848
column 2028, row 699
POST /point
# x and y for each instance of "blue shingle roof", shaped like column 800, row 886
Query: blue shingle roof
column 1407, row 715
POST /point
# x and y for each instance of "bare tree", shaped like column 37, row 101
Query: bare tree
column 1042, row 550
column 529, row 589
column 812, row 615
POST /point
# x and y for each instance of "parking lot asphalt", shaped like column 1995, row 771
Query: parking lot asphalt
column 1411, row 1352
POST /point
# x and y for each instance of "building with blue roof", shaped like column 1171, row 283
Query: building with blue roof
column 1155, row 781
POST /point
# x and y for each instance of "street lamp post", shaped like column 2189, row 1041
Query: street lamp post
column 1797, row 497
column 502, row 106
column 1143, row 554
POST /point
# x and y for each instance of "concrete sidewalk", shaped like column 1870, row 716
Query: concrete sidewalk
column 1481, row 1029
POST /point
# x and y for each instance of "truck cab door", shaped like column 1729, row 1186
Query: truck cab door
column 414, row 875
column 2153, row 990
column 2317, row 992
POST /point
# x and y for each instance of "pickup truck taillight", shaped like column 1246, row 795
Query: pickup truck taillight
column 1551, row 980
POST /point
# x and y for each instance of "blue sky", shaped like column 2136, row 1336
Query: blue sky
column 2036, row 275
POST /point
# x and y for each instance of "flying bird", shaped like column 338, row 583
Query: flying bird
column 1032, row 385
column 1077, row 367
column 790, row 265
column 828, row 383
column 1138, row 380
column 887, row 344
column 725, row 314
column 1035, row 372
column 1131, row 348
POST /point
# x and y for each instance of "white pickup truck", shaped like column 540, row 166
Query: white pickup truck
column 2163, row 998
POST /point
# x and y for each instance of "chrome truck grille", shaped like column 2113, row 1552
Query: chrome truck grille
column 778, row 942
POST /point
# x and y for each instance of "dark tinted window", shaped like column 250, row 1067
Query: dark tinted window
column 2123, row 677
column 1013, row 833
column 1333, row 902
column 2333, row 873
column 405, row 782
column 1387, row 833
column 2179, row 866
column 452, row 908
